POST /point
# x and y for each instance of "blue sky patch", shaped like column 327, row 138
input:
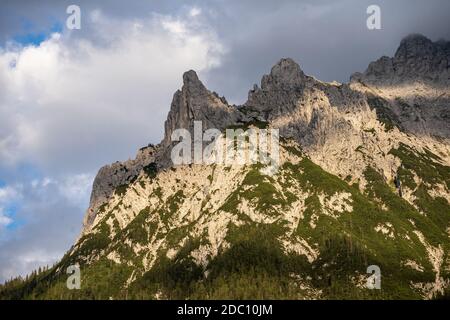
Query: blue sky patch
column 36, row 38
column 11, row 211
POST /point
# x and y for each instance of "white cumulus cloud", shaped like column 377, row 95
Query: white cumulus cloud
column 72, row 101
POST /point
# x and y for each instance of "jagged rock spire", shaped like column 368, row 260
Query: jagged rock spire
column 192, row 83
column 194, row 102
column 279, row 90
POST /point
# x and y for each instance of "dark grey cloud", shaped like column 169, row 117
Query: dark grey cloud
column 328, row 38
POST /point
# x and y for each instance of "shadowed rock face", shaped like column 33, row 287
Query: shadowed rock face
column 280, row 90
column 417, row 58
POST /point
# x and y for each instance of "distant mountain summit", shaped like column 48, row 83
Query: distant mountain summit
column 363, row 181
column 417, row 58
column 412, row 88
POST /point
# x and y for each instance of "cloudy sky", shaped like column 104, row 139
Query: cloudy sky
column 74, row 100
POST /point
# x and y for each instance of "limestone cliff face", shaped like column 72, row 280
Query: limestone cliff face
column 394, row 97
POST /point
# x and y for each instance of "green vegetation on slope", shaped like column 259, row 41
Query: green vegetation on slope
column 256, row 265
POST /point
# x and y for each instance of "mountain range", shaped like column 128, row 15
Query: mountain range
column 363, row 180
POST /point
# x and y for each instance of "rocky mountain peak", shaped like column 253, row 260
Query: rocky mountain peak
column 280, row 90
column 286, row 73
column 194, row 102
column 190, row 76
column 192, row 84
column 414, row 46
column 416, row 59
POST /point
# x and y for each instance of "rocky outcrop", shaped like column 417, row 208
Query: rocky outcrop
column 112, row 176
